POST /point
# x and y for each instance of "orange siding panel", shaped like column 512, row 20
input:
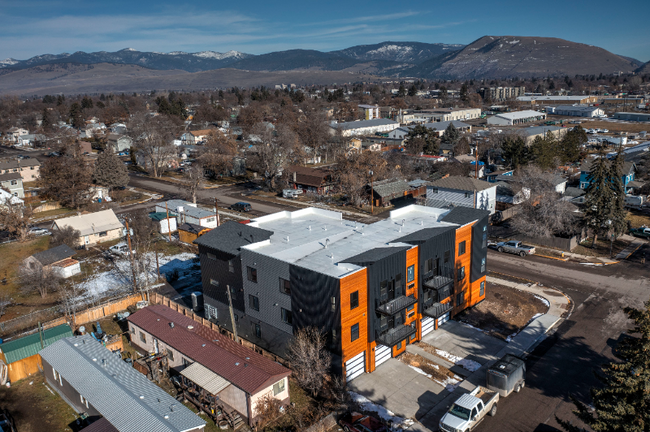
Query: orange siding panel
column 396, row 351
column 475, row 291
column 463, row 233
column 355, row 282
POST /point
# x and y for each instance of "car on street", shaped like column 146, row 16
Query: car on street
column 355, row 422
column 121, row 249
column 241, row 206
column 643, row 232
column 469, row 410
column 38, row 231
column 515, row 247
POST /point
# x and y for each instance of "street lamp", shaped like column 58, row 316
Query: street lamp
column 372, row 196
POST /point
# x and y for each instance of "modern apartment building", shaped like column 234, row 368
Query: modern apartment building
column 372, row 289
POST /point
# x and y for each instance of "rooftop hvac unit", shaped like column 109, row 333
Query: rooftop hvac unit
column 197, row 301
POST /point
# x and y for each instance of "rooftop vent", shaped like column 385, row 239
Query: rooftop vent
column 171, row 324
column 327, row 242
column 94, row 359
column 190, row 327
column 203, row 345
column 237, row 364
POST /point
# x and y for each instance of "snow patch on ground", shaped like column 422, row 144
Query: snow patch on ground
column 543, row 300
column 450, row 384
column 469, row 365
column 386, row 415
column 420, row 371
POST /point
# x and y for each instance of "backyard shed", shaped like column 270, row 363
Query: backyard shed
column 163, row 223
column 21, row 355
column 188, row 232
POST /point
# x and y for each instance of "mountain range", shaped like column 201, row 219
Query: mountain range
column 487, row 57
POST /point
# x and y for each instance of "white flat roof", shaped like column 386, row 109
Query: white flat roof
column 301, row 237
column 520, row 114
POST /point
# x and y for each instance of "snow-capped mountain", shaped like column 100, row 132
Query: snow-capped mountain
column 403, row 52
column 221, row 56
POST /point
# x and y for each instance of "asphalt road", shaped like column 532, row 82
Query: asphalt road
column 565, row 362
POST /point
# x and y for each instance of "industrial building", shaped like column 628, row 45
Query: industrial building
column 438, row 127
column 551, row 100
column 371, row 288
column 530, row 133
column 577, row 111
column 516, row 118
column 364, row 127
column 632, row 116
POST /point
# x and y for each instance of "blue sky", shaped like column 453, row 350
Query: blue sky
column 33, row 27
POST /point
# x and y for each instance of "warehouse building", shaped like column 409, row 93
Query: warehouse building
column 577, row 111
column 632, row 116
column 372, row 289
column 364, row 127
column 552, row 100
column 516, row 118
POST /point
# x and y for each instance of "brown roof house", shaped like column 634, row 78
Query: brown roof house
column 28, row 168
column 58, row 259
column 311, row 180
column 239, row 376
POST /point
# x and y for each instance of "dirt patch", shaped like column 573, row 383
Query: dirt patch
column 602, row 247
column 504, row 312
column 435, row 372
column 34, row 408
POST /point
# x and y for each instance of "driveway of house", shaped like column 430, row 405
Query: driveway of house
column 400, row 389
column 465, row 342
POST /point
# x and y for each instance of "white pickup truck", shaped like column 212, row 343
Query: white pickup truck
column 469, row 410
column 515, row 247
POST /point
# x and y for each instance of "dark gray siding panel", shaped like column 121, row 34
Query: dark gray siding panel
column 67, row 392
column 435, row 248
column 479, row 250
column 218, row 270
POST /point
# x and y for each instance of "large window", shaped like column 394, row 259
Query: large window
column 211, row 256
column 257, row 331
column 461, row 248
column 286, row 316
column 143, row 337
column 482, row 265
column 231, row 266
column 482, row 290
column 447, row 256
column 253, row 302
column 354, row 300
column 461, row 274
column 428, row 265
column 252, row 274
column 410, row 273
column 278, row 387
column 354, row 332
column 460, row 298
column 214, row 282
column 285, row 286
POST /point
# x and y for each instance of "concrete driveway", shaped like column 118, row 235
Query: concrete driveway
column 465, row 342
column 400, row 389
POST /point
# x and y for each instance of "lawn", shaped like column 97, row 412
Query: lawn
column 602, row 247
column 638, row 219
column 54, row 214
column 35, row 407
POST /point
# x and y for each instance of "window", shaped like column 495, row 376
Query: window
column 286, row 316
column 482, row 265
column 467, row 194
column 143, row 337
column 212, row 256
column 354, row 300
column 210, row 219
column 354, row 332
column 278, row 387
column 170, row 354
column 132, row 330
column 460, row 298
column 186, row 362
column 447, row 256
column 211, row 312
column 231, row 266
column 399, row 345
column 253, row 302
column 214, row 282
column 484, row 240
column 410, row 273
column 257, row 331
column 83, row 400
column 252, row 274
column 333, row 304
column 461, row 247
column 383, row 290
column 428, row 265
column 461, row 273
column 103, row 234
column 14, row 182
column 236, row 318
column 482, row 290
column 285, row 286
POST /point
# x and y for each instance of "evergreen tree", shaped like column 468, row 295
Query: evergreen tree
column 544, row 151
column 59, row 100
column 451, row 135
column 599, row 197
column 46, row 119
column 413, row 90
column 571, row 144
column 110, row 171
column 623, row 404
column 86, row 102
column 619, row 214
column 464, row 93
column 401, row 92
column 421, row 139
column 76, row 119
column 515, row 152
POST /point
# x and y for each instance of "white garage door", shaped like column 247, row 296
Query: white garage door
column 428, row 325
column 443, row 319
column 355, row 366
column 382, row 353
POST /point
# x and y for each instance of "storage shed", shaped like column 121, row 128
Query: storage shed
column 188, row 232
column 21, row 355
column 163, row 223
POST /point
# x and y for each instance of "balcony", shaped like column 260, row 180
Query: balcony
column 398, row 304
column 394, row 336
column 436, row 310
column 438, row 282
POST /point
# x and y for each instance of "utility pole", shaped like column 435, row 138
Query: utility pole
column 216, row 209
column 128, row 236
column 157, row 264
column 169, row 228
column 476, row 155
column 372, row 195
column 232, row 314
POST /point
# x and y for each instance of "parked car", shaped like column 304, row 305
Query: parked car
column 291, row 193
column 121, row 249
column 241, row 206
column 38, row 231
column 355, row 422
column 643, row 232
column 469, row 410
column 515, row 247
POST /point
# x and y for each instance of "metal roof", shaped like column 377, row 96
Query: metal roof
column 205, row 378
column 188, row 209
column 230, row 236
column 101, row 425
column 537, row 130
column 158, row 216
column 464, row 215
column 53, row 255
column 365, row 124
column 577, row 108
column 91, row 223
column 517, row 115
column 376, row 254
column 387, row 188
column 28, row 346
column 125, row 397
column 461, row 183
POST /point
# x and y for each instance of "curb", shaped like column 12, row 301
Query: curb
column 552, row 257
column 635, row 249
column 601, row 264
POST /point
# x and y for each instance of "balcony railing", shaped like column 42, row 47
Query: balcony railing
column 396, row 305
column 393, row 336
column 444, row 277
column 436, row 310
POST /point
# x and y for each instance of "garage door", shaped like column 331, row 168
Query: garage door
column 428, row 325
column 382, row 353
column 443, row 319
column 355, row 366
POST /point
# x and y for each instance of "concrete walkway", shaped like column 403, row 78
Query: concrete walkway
column 630, row 249
column 521, row 345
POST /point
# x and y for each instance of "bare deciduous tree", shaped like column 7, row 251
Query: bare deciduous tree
column 309, row 359
column 38, row 278
column 66, row 235
column 153, row 138
column 66, row 179
column 193, row 179
column 268, row 410
column 15, row 218
column 276, row 149
column 218, row 152
column 5, row 302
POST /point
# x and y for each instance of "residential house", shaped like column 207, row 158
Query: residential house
column 237, row 376
column 85, row 147
column 58, row 259
column 493, row 176
column 21, row 355
column 13, row 183
column 14, row 133
column 197, row 137
column 457, row 191
column 164, row 223
column 311, row 180
column 30, row 140
column 577, row 111
column 370, row 288
column 516, row 118
column 364, row 127
column 98, row 227
column 187, row 212
column 628, row 176
column 118, row 143
column 93, row 380
column 7, row 198
column 390, row 191
column 188, row 232
column 28, row 168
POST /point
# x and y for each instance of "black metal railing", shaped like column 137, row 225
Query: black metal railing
column 395, row 305
column 437, row 279
column 393, row 336
column 436, row 310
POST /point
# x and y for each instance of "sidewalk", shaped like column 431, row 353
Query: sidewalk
column 560, row 307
